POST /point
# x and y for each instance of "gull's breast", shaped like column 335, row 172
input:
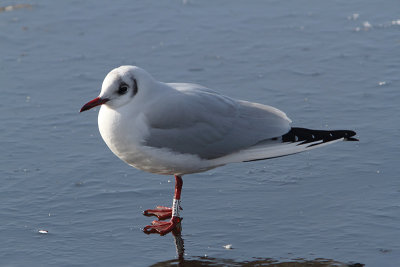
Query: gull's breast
column 124, row 135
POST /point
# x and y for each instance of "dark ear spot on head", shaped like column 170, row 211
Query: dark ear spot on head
column 135, row 87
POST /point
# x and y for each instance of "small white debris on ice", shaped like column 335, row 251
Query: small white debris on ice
column 353, row 16
column 14, row 7
column 396, row 22
column 381, row 83
column 229, row 246
column 43, row 231
column 367, row 25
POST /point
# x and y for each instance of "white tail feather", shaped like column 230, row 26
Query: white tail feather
column 271, row 149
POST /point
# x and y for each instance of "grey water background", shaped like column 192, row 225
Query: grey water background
column 327, row 64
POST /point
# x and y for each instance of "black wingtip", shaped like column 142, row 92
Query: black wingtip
column 309, row 136
column 349, row 136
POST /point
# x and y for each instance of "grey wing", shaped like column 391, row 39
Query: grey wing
column 204, row 123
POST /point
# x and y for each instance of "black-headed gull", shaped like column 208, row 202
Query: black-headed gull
column 183, row 128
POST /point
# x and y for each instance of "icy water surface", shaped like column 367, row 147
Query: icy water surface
column 327, row 64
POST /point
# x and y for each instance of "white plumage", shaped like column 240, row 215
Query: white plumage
column 181, row 128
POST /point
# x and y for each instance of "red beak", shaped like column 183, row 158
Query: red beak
column 95, row 102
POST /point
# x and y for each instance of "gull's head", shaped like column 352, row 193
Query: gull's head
column 121, row 86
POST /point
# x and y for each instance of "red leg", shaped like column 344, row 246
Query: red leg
column 163, row 228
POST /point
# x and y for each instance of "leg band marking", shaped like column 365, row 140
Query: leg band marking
column 176, row 205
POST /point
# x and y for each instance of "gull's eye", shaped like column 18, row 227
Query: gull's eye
column 123, row 88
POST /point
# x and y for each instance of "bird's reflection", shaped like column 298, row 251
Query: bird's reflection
column 268, row 262
column 205, row 261
column 180, row 249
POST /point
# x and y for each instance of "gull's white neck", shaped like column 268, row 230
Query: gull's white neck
column 122, row 131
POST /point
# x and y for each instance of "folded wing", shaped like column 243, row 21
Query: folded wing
column 196, row 120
